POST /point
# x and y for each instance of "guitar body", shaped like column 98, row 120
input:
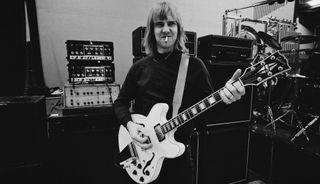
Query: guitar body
column 146, row 165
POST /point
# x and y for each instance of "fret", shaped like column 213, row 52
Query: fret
column 184, row 117
column 201, row 106
column 164, row 128
column 217, row 96
column 194, row 110
column 179, row 119
column 206, row 102
column 189, row 113
column 172, row 124
column 175, row 121
column 211, row 100
column 168, row 126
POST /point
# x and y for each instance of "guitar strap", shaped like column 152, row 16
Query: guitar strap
column 178, row 92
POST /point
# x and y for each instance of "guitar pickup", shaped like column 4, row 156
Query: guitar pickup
column 159, row 133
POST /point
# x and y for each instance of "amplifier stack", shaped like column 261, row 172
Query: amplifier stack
column 91, row 76
column 218, row 48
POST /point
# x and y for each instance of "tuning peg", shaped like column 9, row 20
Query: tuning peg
column 274, row 81
column 265, row 84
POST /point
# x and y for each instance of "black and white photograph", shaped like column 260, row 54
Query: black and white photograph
column 160, row 92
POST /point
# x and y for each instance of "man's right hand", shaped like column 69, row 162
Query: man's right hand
column 138, row 135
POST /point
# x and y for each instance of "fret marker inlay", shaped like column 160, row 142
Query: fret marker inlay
column 211, row 100
column 194, row 111
column 202, row 106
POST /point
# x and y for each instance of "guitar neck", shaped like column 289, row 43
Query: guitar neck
column 192, row 112
column 256, row 74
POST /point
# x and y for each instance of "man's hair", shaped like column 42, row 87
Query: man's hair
column 161, row 11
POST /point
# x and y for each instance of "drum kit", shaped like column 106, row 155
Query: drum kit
column 291, row 97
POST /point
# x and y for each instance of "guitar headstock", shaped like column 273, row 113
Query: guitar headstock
column 265, row 69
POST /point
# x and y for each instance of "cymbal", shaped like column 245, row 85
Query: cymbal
column 301, row 39
column 266, row 38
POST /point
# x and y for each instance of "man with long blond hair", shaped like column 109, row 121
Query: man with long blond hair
column 152, row 80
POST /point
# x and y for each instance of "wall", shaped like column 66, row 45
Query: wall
column 114, row 20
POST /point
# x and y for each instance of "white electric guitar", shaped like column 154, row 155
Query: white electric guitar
column 144, row 166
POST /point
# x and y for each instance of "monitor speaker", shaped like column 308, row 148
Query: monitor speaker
column 222, row 153
column 238, row 111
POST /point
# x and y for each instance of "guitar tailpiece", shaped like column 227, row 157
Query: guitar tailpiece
column 127, row 163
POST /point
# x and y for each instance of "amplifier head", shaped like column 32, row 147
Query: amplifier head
column 83, row 50
column 224, row 48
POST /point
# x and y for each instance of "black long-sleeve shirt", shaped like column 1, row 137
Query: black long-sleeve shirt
column 152, row 80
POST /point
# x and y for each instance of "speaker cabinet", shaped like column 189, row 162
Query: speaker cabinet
column 83, row 149
column 223, row 153
column 23, row 129
column 238, row 111
column 23, row 138
column 85, row 157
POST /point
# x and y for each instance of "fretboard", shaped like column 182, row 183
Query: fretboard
column 191, row 112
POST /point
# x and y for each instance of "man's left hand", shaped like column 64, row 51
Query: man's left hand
column 232, row 91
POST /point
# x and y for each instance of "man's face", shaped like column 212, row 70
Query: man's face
column 165, row 32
